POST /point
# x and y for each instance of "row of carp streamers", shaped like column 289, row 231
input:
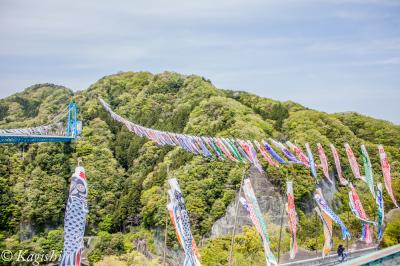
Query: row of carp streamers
column 251, row 205
column 245, row 151
column 180, row 219
column 376, row 191
column 75, row 219
column 55, row 129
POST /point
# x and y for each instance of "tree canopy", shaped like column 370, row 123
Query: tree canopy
column 127, row 174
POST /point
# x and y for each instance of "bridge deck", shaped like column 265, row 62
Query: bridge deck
column 9, row 138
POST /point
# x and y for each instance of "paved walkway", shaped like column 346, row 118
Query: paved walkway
column 332, row 259
column 387, row 256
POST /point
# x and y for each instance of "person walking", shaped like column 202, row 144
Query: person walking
column 340, row 252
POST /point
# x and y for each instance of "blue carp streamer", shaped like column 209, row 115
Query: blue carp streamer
column 323, row 205
column 75, row 219
column 180, row 219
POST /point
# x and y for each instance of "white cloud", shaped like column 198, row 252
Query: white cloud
column 284, row 49
column 357, row 46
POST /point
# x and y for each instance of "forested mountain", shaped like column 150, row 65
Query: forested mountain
column 127, row 174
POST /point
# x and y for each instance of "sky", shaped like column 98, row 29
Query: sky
column 329, row 55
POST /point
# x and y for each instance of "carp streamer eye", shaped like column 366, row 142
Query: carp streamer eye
column 81, row 187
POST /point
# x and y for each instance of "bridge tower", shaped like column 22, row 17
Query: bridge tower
column 73, row 125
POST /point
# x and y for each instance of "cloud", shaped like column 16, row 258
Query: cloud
column 388, row 44
column 356, row 15
column 284, row 49
column 393, row 61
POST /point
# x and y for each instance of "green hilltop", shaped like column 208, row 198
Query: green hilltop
column 127, row 174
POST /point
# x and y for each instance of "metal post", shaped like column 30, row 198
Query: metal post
column 23, row 152
column 280, row 232
column 80, row 161
column 165, row 233
column 230, row 261
column 316, row 233
column 166, row 223
column 374, row 221
column 347, row 239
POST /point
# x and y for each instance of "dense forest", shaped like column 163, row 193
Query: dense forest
column 127, row 174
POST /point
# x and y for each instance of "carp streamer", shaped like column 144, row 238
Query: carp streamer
column 75, row 219
column 180, row 219
column 292, row 219
column 251, row 205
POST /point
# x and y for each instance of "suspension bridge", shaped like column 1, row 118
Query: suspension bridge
column 57, row 130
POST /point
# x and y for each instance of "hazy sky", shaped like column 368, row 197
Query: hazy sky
column 330, row 55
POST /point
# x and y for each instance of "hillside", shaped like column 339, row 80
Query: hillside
column 127, row 174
